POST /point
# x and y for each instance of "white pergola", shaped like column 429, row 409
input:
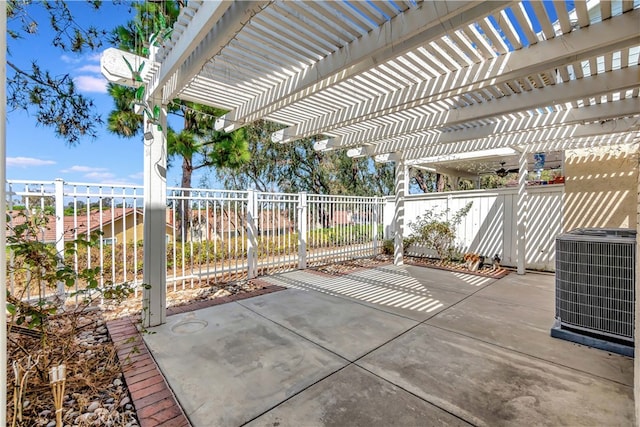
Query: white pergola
column 404, row 81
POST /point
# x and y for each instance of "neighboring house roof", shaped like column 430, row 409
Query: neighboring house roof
column 79, row 224
column 228, row 221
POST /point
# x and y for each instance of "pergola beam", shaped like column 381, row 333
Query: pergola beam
column 614, row 34
column 445, row 170
column 587, row 87
column 404, row 32
column 527, row 138
column 213, row 26
column 562, row 122
column 550, row 145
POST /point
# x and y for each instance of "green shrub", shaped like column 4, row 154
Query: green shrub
column 435, row 231
column 37, row 270
column 388, row 247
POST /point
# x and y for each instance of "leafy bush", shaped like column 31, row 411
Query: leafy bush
column 339, row 235
column 435, row 231
column 38, row 269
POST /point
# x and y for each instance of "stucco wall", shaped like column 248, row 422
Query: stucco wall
column 131, row 233
column 600, row 187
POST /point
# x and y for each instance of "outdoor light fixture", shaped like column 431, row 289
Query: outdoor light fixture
column 502, row 172
column 322, row 145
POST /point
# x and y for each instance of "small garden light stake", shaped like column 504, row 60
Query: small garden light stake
column 57, row 377
column 21, row 373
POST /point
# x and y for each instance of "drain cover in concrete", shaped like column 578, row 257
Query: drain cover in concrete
column 189, row 326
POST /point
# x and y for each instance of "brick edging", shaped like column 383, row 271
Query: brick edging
column 154, row 402
column 267, row 288
column 152, row 398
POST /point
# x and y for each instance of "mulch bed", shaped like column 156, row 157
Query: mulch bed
column 351, row 266
column 457, row 268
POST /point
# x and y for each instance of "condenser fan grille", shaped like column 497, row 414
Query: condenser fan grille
column 595, row 281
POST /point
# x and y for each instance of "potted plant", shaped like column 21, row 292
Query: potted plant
column 473, row 261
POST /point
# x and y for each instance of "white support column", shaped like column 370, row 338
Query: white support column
column 3, row 217
column 521, row 213
column 59, row 206
column 154, row 295
column 401, row 189
column 302, row 230
column 252, row 235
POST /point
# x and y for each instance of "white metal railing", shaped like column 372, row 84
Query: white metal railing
column 354, row 224
column 212, row 236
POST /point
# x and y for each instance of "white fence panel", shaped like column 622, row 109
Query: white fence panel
column 490, row 228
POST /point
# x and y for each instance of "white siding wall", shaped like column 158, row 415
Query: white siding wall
column 490, row 226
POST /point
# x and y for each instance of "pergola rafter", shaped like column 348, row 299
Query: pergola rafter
column 530, row 137
column 420, row 119
column 401, row 33
column 571, row 122
column 514, row 69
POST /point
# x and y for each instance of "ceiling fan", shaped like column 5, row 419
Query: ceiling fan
column 502, row 172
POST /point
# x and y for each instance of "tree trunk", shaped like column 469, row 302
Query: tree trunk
column 421, row 181
column 185, row 209
column 441, row 182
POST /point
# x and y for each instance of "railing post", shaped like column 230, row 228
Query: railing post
column 252, row 240
column 302, row 230
column 59, row 207
column 376, row 208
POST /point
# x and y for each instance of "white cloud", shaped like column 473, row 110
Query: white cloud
column 94, row 58
column 89, row 68
column 86, row 71
column 91, row 84
column 23, row 162
column 137, row 176
column 69, row 60
column 100, row 176
column 119, row 181
column 83, row 169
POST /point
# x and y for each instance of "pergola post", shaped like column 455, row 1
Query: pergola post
column 154, row 292
column 521, row 213
column 401, row 189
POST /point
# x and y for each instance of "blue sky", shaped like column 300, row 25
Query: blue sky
column 34, row 152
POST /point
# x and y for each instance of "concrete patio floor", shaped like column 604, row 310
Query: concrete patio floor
column 405, row 346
